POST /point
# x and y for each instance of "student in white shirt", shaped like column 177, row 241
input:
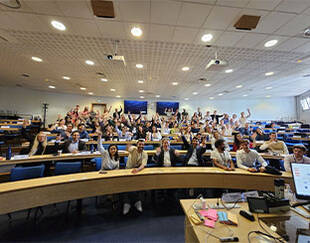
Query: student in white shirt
column 298, row 156
column 221, row 158
column 110, row 157
column 243, row 118
column 249, row 159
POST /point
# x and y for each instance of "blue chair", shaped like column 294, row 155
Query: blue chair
column 22, row 173
column 148, row 147
column 121, row 147
column 177, row 147
column 62, row 168
column 98, row 162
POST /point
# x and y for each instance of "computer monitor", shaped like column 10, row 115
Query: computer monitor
column 301, row 177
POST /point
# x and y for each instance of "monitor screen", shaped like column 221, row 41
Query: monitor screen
column 162, row 106
column 301, row 177
column 135, row 106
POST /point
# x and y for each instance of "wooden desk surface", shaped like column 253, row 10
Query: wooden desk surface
column 31, row 193
column 198, row 233
column 9, row 129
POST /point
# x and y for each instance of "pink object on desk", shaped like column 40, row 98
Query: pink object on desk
column 210, row 214
column 209, row 223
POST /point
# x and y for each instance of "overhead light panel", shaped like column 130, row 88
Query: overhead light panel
column 157, row 96
column 58, row 25
column 185, row 69
column 141, row 91
column 52, row 87
column 207, row 37
column 207, row 85
column 89, row 62
column 36, row 59
column 139, row 65
column 271, row 43
column 229, row 70
column 211, row 98
column 104, row 80
column 66, row 77
column 268, row 87
column 195, row 93
column 140, row 81
column 90, row 93
column 141, row 97
column 136, row 31
column 269, row 74
column 239, row 86
column 113, row 90
column 82, row 88
column 175, row 83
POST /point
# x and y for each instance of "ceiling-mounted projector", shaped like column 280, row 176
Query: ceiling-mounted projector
column 116, row 57
column 216, row 65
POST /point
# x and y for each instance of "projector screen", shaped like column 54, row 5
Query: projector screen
column 135, row 106
column 161, row 106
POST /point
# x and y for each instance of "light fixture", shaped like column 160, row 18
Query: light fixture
column 141, row 97
column 36, row 59
column 245, row 95
column 268, row 96
column 299, row 61
column 269, row 73
column 104, row 80
column 82, row 88
column 239, row 86
column 220, row 94
column 140, row 81
column 141, row 91
column 118, row 96
column 90, row 93
column 185, row 69
column 139, row 65
column 211, row 98
column 113, row 90
column 307, row 32
column 268, row 87
column 136, row 31
column 229, row 70
column 271, row 43
column 195, row 93
column 157, row 96
column 66, row 77
column 207, row 85
column 175, row 83
column 185, row 98
column 207, row 37
column 58, row 25
column 89, row 62
column 52, row 87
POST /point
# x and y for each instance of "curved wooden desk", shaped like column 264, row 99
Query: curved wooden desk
column 26, row 194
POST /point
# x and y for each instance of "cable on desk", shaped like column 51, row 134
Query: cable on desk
column 262, row 233
column 233, row 206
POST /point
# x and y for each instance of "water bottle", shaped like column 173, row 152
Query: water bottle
column 92, row 149
column 279, row 188
column 9, row 153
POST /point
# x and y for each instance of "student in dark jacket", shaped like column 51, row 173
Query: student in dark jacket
column 166, row 156
column 74, row 145
column 194, row 151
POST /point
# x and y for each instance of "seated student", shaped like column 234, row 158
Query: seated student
column 123, row 135
column 221, row 158
column 194, row 151
column 298, row 156
column 74, row 145
column 216, row 136
column 110, row 157
column 259, row 135
column 39, row 145
column 166, row 156
column 249, row 159
column 61, row 125
column 154, row 135
column 245, row 130
column 137, row 160
column 273, row 145
column 83, row 132
column 237, row 141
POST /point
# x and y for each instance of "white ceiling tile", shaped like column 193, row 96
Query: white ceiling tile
column 235, row 3
column 85, row 27
column 135, row 11
column 193, row 15
column 296, row 26
column 165, row 12
column 216, row 34
column 229, row 38
column 210, row 2
column 263, row 4
column 184, row 35
column 26, row 21
column 44, row 7
column 291, row 44
column 272, row 22
column 79, row 9
column 111, row 29
column 161, row 32
column 221, row 17
column 306, row 12
column 304, row 48
column 293, row 6
column 250, row 40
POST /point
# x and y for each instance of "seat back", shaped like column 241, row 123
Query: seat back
column 148, row 147
column 62, row 168
column 98, row 162
column 23, row 173
column 121, row 147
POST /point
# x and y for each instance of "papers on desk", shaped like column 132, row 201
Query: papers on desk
column 23, row 156
column 5, row 126
column 85, row 140
column 83, row 153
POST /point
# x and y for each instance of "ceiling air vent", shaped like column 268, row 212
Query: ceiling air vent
column 103, row 9
column 306, row 75
column 247, row 22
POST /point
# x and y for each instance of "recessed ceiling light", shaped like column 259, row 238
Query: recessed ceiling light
column 239, row 86
column 82, row 88
column 207, row 37
column 141, row 97
column 229, row 71
column 268, row 96
column 36, row 59
column 175, row 83
column 118, row 96
column 140, row 81
column 269, row 73
column 66, row 77
column 195, row 93
column 157, row 96
column 136, row 31
column 268, row 87
column 185, row 69
column 185, row 98
column 271, row 43
column 220, row 94
column 139, row 65
column 211, row 98
column 245, row 95
column 89, row 62
column 299, row 61
column 141, row 91
column 104, row 80
column 207, row 85
column 90, row 93
column 52, row 87
column 58, row 25
column 113, row 90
